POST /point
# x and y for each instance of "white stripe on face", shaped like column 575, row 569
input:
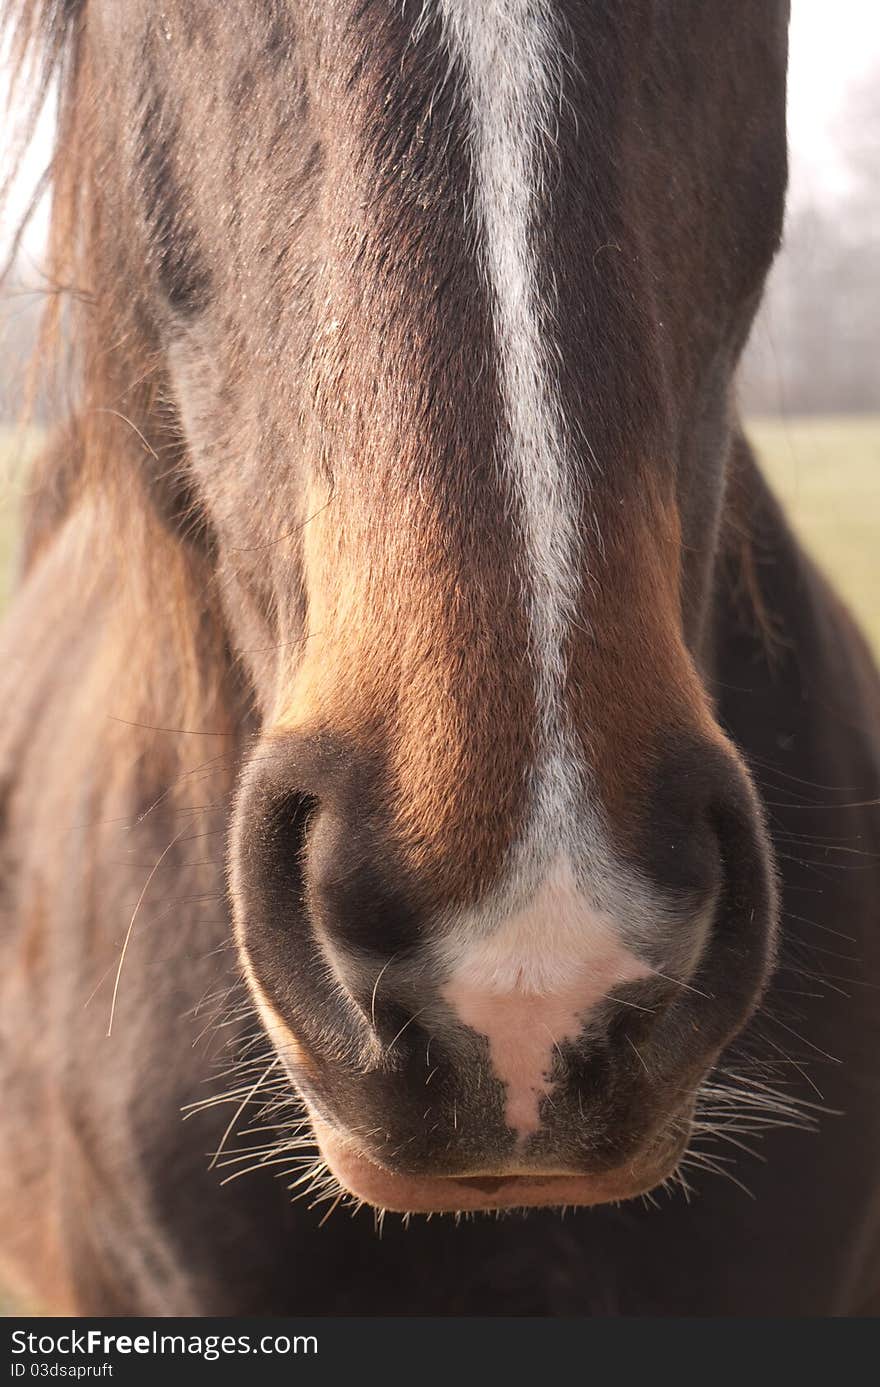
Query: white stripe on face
column 526, row 967
column 510, row 54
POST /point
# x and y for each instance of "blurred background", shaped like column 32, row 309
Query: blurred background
column 810, row 382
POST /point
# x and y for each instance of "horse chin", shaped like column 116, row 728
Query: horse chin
column 366, row 1180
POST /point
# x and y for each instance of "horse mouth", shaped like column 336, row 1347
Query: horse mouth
column 371, row 1183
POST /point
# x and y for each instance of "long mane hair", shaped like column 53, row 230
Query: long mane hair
column 114, row 459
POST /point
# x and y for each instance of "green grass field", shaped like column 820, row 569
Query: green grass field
column 827, row 472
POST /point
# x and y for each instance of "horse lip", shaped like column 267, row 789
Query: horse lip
column 374, row 1184
column 488, row 1184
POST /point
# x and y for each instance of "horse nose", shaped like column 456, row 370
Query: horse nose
column 691, row 862
column 686, row 876
column 554, row 1024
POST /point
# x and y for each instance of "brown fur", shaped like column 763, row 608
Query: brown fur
column 272, row 620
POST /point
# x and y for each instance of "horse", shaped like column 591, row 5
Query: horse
column 434, row 781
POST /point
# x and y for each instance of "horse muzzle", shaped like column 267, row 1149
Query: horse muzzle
column 542, row 1061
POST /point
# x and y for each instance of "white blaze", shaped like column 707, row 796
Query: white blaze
column 509, row 53
column 526, row 967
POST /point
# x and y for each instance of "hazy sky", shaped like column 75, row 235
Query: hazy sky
column 834, row 45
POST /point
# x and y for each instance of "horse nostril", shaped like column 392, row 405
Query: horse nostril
column 269, row 844
column 704, row 842
column 359, row 898
column 288, row 826
column 702, row 819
